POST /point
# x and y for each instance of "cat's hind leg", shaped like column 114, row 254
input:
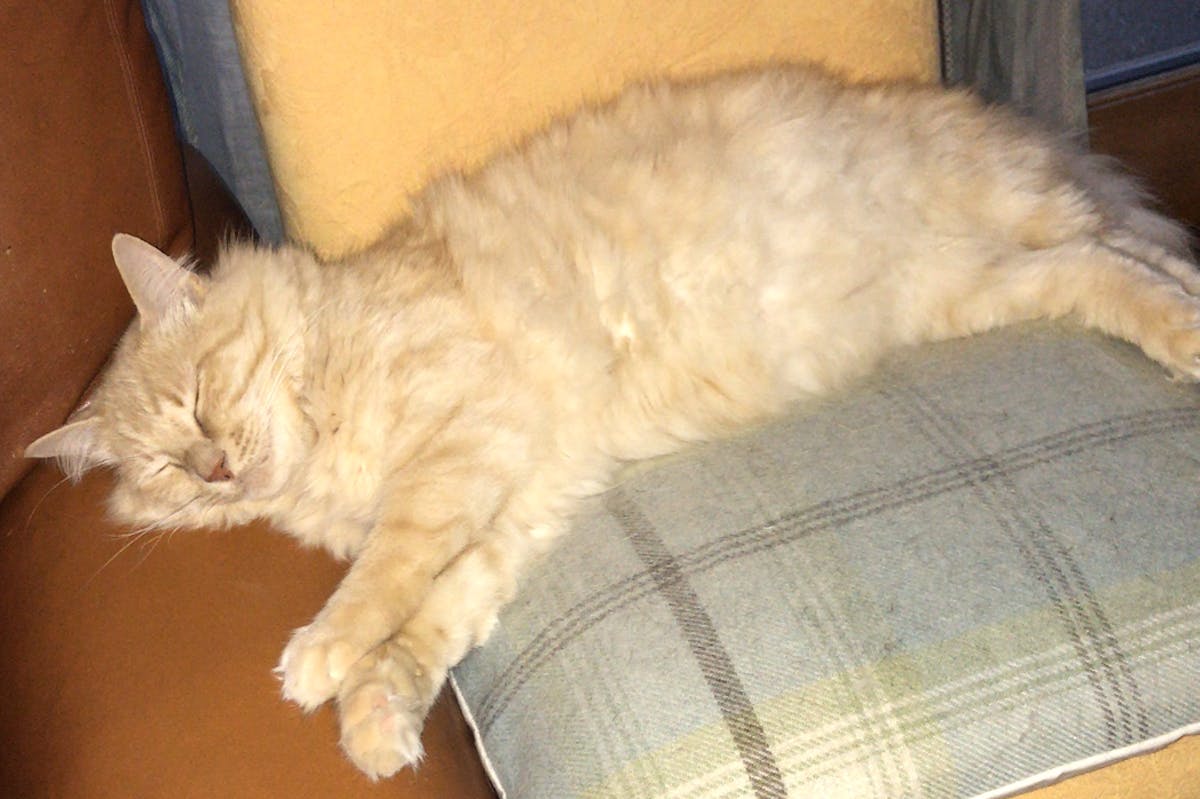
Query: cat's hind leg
column 1165, row 259
column 1138, row 292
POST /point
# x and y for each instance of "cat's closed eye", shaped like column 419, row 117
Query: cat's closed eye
column 167, row 464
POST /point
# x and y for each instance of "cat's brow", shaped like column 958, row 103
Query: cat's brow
column 219, row 344
column 259, row 357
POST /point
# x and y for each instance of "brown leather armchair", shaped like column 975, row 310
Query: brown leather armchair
column 133, row 665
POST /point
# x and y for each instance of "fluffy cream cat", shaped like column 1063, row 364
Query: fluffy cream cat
column 682, row 261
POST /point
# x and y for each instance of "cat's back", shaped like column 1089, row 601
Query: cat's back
column 617, row 198
column 733, row 220
column 673, row 193
column 650, row 138
column 619, row 192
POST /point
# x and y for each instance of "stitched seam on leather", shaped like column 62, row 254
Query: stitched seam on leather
column 135, row 101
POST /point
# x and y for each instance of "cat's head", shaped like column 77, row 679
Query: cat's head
column 197, row 411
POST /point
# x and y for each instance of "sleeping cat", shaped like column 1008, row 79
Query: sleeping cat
column 683, row 261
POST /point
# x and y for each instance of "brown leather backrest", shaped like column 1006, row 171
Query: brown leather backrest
column 87, row 148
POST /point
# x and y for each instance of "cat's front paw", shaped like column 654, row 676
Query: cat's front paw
column 1178, row 338
column 314, row 663
column 383, row 703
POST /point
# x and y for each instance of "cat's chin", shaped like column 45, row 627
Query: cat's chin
column 134, row 508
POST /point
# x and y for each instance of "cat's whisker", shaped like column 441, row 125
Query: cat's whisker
column 135, row 532
column 113, row 557
column 33, row 512
column 155, row 540
column 166, row 520
column 155, row 525
column 133, row 536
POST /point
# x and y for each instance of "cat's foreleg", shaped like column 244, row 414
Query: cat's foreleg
column 413, row 542
column 381, row 589
column 385, row 697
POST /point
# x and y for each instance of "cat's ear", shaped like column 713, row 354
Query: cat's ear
column 156, row 282
column 77, row 446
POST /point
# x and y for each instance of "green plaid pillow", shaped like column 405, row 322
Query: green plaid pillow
column 975, row 569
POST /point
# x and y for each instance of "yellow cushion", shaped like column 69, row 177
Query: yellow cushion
column 361, row 103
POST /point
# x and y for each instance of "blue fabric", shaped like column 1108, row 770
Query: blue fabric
column 198, row 51
column 1125, row 40
column 976, row 568
column 1024, row 54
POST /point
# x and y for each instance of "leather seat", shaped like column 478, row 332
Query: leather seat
column 133, row 666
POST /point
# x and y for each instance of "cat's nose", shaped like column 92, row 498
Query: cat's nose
column 220, row 471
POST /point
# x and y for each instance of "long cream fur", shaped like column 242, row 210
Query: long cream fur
column 664, row 269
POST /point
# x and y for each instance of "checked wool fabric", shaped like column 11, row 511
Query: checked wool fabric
column 976, row 567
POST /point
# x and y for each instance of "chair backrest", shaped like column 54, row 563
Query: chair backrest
column 89, row 148
column 359, row 108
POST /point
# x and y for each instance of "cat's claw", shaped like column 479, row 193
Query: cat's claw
column 383, row 702
column 313, row 665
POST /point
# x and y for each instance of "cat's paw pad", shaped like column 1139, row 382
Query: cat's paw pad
column 383, row 705
column 313, row 665
column 385, row 735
